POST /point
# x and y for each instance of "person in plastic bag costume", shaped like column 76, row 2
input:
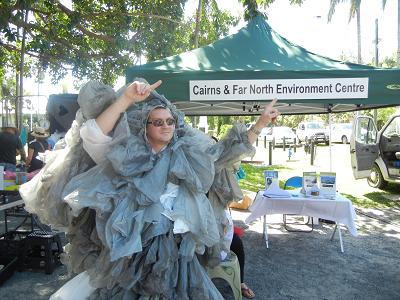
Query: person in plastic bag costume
column 129, row 189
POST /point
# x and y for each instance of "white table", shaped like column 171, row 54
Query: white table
column 11, row 204
column 339, row 209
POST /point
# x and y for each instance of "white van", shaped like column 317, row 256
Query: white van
column 341, row 132
column 376, row 155
column 313, row 130
column 276, row 134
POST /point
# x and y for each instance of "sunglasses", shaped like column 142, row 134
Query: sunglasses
column 160, row 122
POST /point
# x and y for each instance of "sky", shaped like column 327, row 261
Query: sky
column 304, row 25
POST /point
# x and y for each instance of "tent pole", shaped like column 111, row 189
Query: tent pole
column 330, row 142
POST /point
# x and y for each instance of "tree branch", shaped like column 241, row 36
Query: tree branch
column 69, row 13
column 30, row 26
column 64, row 57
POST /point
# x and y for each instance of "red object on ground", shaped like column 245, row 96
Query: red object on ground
column 239, row 231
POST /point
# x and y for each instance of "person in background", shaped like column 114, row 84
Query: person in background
column 233, row 242
column 10, row 147
column 23, row 136
column 38, row 145
column 55, row 137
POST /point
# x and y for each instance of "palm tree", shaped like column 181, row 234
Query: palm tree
column 197, row 30
column 354, row 11
column 398, row 33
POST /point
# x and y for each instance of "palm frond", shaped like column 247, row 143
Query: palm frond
column 332, row 7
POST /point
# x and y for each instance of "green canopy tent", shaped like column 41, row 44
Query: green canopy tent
column 234, row 75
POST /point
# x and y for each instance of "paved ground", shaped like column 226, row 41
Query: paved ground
column 297, row 265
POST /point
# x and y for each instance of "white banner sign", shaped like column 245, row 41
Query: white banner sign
column 260, row 89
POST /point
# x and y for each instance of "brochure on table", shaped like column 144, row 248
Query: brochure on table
column 310, row 182
column 274, row 191
column 271, row 176
column 328, row 183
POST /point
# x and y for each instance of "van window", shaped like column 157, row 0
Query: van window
column 366, row 131
column 393, row 129
column 315, row 126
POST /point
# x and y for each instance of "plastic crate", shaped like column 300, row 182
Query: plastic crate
column 8, row 265
column 42, row 251
column 12, row 243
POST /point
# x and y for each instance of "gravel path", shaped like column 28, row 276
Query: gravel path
column 296, row 266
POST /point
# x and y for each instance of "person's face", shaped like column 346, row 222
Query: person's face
column 159, row 135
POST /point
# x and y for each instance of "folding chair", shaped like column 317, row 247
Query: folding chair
column 295, row 182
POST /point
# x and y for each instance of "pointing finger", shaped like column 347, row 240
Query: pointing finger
column 155, row 85
column 272, row 103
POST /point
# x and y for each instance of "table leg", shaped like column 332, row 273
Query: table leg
column 265, row 230
column 5, row 222
column 337, row 226
column 334, row 231
column 340, row 237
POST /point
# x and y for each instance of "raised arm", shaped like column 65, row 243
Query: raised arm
column 268, row 115
column 135, row 92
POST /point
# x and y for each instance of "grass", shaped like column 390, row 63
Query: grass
column 393, row 188
column 254, row 180
column 378, row 200
column 374, row 200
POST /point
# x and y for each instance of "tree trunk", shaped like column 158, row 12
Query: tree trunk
column 20, row 96
column 398, row 33
column 198, row 19
column 359, row 60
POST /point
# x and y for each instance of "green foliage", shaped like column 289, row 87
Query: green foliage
column 255, row 180
column 290, row 121
column 7, row 87
column 223, row 130
column 389, row 62
column 99, row 39
column 383, row 115
column 214, row 24
column 218, row 123
column 252, row 7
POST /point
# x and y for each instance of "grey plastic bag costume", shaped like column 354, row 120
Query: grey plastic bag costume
column 119, row 231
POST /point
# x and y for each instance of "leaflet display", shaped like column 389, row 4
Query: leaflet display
column 310, row 182
column 271, row 177
column 328, row 183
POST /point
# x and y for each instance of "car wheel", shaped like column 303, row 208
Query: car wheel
column 375, row 178
column 344, row 140
column 327, row 142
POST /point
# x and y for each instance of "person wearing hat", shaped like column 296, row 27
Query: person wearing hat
column 10, row 147
column 38, row 145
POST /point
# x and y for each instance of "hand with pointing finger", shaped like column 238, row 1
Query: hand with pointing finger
column 135, row 92
column 270, row 113
column 138, row 91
